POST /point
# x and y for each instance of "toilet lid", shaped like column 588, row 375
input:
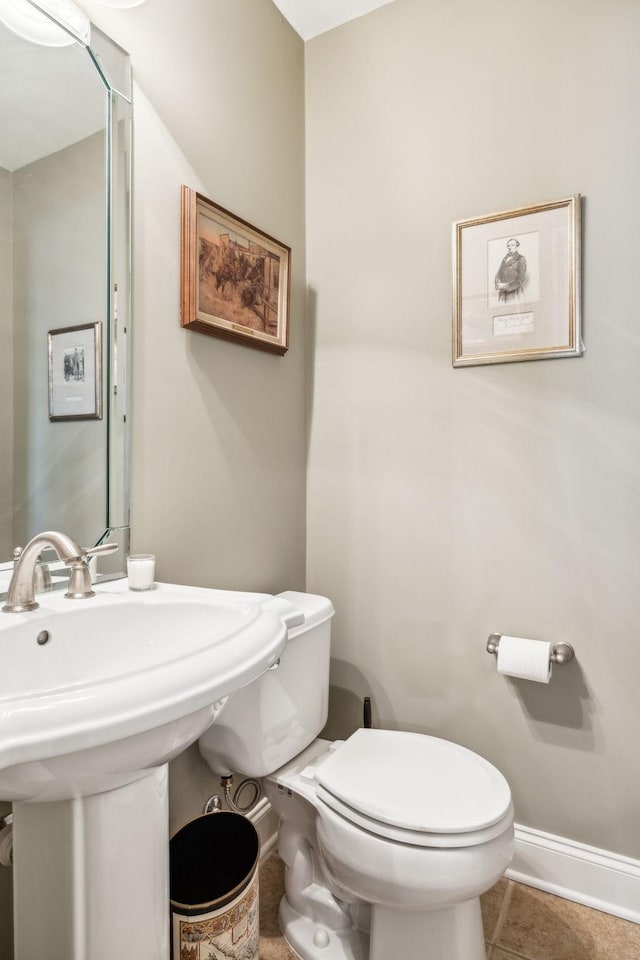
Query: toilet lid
column 415, row 782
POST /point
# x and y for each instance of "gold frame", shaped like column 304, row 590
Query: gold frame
column 530, row 307
column 235, row 278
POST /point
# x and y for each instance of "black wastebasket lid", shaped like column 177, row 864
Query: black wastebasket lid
column 211, row 860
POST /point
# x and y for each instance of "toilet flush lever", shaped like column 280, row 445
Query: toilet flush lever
column 288, row 613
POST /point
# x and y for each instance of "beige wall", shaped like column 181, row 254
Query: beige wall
column 6, row 364
column 447, row 504
column 219, row 448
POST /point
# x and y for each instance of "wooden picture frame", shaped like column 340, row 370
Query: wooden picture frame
column 235, row 278
column 75, row 372
column 516, row 285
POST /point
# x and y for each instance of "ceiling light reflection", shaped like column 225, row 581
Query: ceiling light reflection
column 32, row 24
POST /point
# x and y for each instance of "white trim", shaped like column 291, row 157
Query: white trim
column 268, row 845
column 260, row 812
column 596, row 878
column 261, row 809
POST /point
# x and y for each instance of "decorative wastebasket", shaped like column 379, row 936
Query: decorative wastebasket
column 213, row 869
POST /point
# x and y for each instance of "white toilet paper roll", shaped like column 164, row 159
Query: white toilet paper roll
column 527, row 659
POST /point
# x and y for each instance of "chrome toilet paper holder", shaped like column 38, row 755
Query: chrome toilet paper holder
column 560, row 652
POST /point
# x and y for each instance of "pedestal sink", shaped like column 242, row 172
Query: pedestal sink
column 96, row 696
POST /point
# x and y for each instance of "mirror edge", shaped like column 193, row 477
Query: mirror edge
column 114, row 65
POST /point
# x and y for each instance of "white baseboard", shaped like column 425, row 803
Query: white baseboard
column 264, row 820
column 269, row 845
column 260, row 810
column 598, row 879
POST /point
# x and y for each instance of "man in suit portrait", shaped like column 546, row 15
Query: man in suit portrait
column 512, row 273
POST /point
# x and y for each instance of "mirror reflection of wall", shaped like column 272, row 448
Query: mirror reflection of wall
column 59, row 281
column 54, row 272
column 6, row 363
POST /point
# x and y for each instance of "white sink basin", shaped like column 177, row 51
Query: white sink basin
column 124, row 683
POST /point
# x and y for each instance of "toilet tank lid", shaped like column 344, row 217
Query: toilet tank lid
column 416, row 782
column 316, row 609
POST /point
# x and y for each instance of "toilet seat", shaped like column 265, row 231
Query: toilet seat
column 415, row 789
column 414, row 837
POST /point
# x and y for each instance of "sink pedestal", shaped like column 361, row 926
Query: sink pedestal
column 91, row 875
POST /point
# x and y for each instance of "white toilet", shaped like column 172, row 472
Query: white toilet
column 388, row 838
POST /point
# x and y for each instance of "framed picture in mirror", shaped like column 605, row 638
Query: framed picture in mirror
column 75, row 372
column 516, row 285
column 234, row 278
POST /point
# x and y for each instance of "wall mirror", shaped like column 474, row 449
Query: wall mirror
column 65, row 122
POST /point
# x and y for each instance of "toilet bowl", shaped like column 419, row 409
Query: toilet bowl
column 388, row 838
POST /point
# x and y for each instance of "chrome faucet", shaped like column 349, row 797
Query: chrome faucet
column 21, row 593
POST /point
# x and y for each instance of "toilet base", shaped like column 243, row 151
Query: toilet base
column 452, row 933
column 314, row 941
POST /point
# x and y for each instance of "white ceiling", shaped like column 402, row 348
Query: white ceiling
column 311, row 17
column 50, row 97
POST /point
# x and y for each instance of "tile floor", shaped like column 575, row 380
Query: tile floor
column 519, row 922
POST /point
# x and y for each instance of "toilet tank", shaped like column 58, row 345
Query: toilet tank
column 272, row 719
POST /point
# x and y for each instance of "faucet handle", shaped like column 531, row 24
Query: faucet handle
column 101, row 549
column 98, row 551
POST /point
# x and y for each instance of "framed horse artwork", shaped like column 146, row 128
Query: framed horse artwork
column 235, row 279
